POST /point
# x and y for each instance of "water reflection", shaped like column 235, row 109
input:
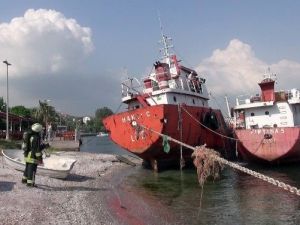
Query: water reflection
column 236, row 198
column 100, row 145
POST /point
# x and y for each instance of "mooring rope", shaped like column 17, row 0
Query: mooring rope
column 182, row 163
column 268, row 179
column 222, row 135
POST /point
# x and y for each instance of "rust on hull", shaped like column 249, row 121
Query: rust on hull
column 273, row 145
column 164, row 119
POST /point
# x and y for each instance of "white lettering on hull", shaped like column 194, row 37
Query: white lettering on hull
column 131, row 117
column 268, row 141
column 139, row 132
column 268, row 131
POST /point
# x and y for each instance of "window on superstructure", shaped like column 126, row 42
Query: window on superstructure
column 194, row 101
column 252, row 114
column 267, row 112
column 174, row 98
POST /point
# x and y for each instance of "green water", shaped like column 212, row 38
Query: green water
column 236, row 198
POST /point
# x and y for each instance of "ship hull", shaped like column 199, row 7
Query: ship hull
column 164, row 119
column 272, row 145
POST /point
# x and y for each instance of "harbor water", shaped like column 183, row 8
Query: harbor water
column 236, row 198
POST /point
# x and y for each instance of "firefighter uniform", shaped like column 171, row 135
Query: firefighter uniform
column 32, row 159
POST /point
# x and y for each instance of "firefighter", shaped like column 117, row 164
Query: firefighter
column 33, row 156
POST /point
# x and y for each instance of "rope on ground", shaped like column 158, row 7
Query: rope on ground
column 211, row 154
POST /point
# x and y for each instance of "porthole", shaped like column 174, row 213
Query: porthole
column 252, row 114
column 267, row 113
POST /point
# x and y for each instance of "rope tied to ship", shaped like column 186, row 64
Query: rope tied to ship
column 216, row 162
column 206, row 127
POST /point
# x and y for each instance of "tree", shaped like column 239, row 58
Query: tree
column 100, row 114
column 2, row 105
column 20, row 111
column 44, row 113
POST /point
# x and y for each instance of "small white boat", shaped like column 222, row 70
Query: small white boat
column 102, row 134
column 55, row 166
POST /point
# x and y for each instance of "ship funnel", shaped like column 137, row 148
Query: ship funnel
column 267, row 89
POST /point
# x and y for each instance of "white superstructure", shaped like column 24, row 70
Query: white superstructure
column 168, row 83
column 270, row 109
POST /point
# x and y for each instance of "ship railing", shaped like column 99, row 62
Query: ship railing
column 243, row 99
column 186, row 84
column 293, row 94
column 181, row 83
column 131, row 86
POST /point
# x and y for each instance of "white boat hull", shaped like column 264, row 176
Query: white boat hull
column 54, row 166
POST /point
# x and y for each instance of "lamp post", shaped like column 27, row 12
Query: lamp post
column 7, row 102
column 46, row 118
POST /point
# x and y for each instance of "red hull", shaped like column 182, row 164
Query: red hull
column 164, row 119
column 275, row 145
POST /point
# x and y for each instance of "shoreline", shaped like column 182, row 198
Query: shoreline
column 93, row 193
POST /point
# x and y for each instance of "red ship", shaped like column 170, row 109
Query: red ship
column 171, row 100
column 267, row 125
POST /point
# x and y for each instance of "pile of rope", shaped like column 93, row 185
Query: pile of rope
column 207, row 166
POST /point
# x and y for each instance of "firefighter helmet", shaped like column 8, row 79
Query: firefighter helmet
column 36, row 127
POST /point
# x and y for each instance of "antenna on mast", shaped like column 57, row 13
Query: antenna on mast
column 270, row 75
column 165, row 40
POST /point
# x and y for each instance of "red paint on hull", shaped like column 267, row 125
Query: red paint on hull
column 276, row 145
column 164, row 119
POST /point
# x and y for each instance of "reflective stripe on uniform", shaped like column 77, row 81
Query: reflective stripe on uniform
column 35, row 154
column 29, row 159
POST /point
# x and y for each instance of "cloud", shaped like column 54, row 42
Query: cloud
column 43, row 42
column 236, row 70
column 48, row 52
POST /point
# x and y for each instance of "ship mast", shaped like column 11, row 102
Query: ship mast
column 269, row 75
column 165, row 42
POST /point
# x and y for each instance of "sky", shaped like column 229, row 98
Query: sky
column 76, row 53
